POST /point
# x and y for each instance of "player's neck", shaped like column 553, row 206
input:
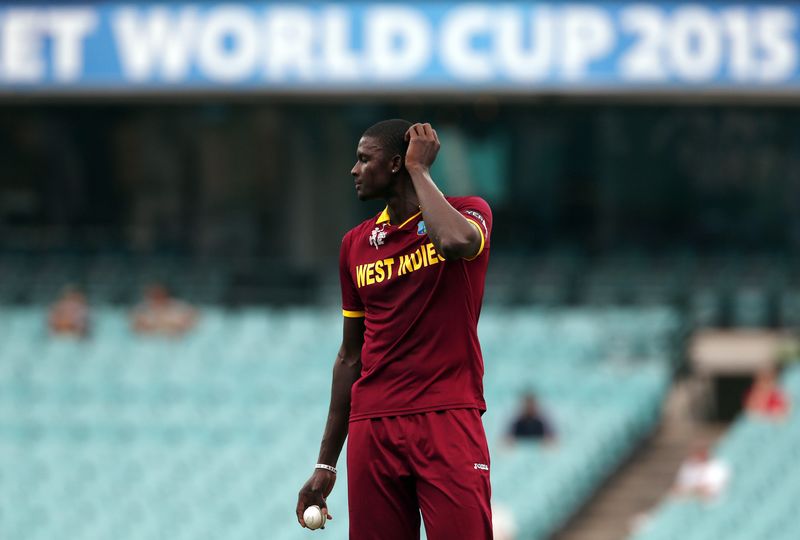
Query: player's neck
column 402, row 205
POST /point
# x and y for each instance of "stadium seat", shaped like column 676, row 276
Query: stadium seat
column 211, row 436
column 761, row 500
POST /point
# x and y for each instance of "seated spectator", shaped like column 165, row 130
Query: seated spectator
column 702, row 476
column 69, row 315
column 161, row 314
column 765, row 398
column 531, row 424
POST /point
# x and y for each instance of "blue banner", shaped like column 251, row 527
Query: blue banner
column 365, row 47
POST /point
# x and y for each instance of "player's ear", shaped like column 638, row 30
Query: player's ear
column 396, row 163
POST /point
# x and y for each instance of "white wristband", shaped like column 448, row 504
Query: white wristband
column 325, row 467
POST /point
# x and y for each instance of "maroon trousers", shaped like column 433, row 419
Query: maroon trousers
column 436, row 462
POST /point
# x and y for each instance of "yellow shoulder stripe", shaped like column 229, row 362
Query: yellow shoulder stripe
column 483, row 239
column 352, row 314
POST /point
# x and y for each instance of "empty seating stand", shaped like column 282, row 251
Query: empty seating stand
column 762, row 496
column 212, row 435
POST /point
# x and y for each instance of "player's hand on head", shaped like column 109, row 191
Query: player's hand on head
column 423, row 145
column 314, row 492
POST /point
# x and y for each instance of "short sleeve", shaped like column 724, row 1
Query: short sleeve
column 352, row 306
column 477, row 212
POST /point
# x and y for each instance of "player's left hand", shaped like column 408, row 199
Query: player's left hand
column 423, row 145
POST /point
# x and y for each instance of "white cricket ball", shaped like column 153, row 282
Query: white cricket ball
column 313, row 517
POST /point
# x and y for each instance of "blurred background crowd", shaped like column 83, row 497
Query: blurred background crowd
column 169, row 291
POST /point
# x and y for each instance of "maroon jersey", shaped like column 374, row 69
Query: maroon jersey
column 421, row 350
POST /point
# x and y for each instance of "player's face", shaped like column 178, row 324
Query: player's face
column 372, row 171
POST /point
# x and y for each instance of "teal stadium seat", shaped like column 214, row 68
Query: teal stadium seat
column 751, row 307
column 211, row 436
column 761, row 500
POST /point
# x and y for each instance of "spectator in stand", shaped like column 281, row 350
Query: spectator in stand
column 161, row 314
column 531, row 424
column 765, row 399
column 702, row 476
column 69, row 315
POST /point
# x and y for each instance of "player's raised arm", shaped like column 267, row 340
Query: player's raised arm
column 451, row 233
column 346, row 369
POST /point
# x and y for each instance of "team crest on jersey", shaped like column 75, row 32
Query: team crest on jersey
column 377, row 237
column 421, row 230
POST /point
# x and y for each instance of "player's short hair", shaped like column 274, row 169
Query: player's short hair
column 391, row 136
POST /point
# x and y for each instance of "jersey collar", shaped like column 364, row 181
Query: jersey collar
column 384, row 218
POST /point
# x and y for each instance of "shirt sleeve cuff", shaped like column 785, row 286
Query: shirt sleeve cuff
column 483, row 239
column 352, row 314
